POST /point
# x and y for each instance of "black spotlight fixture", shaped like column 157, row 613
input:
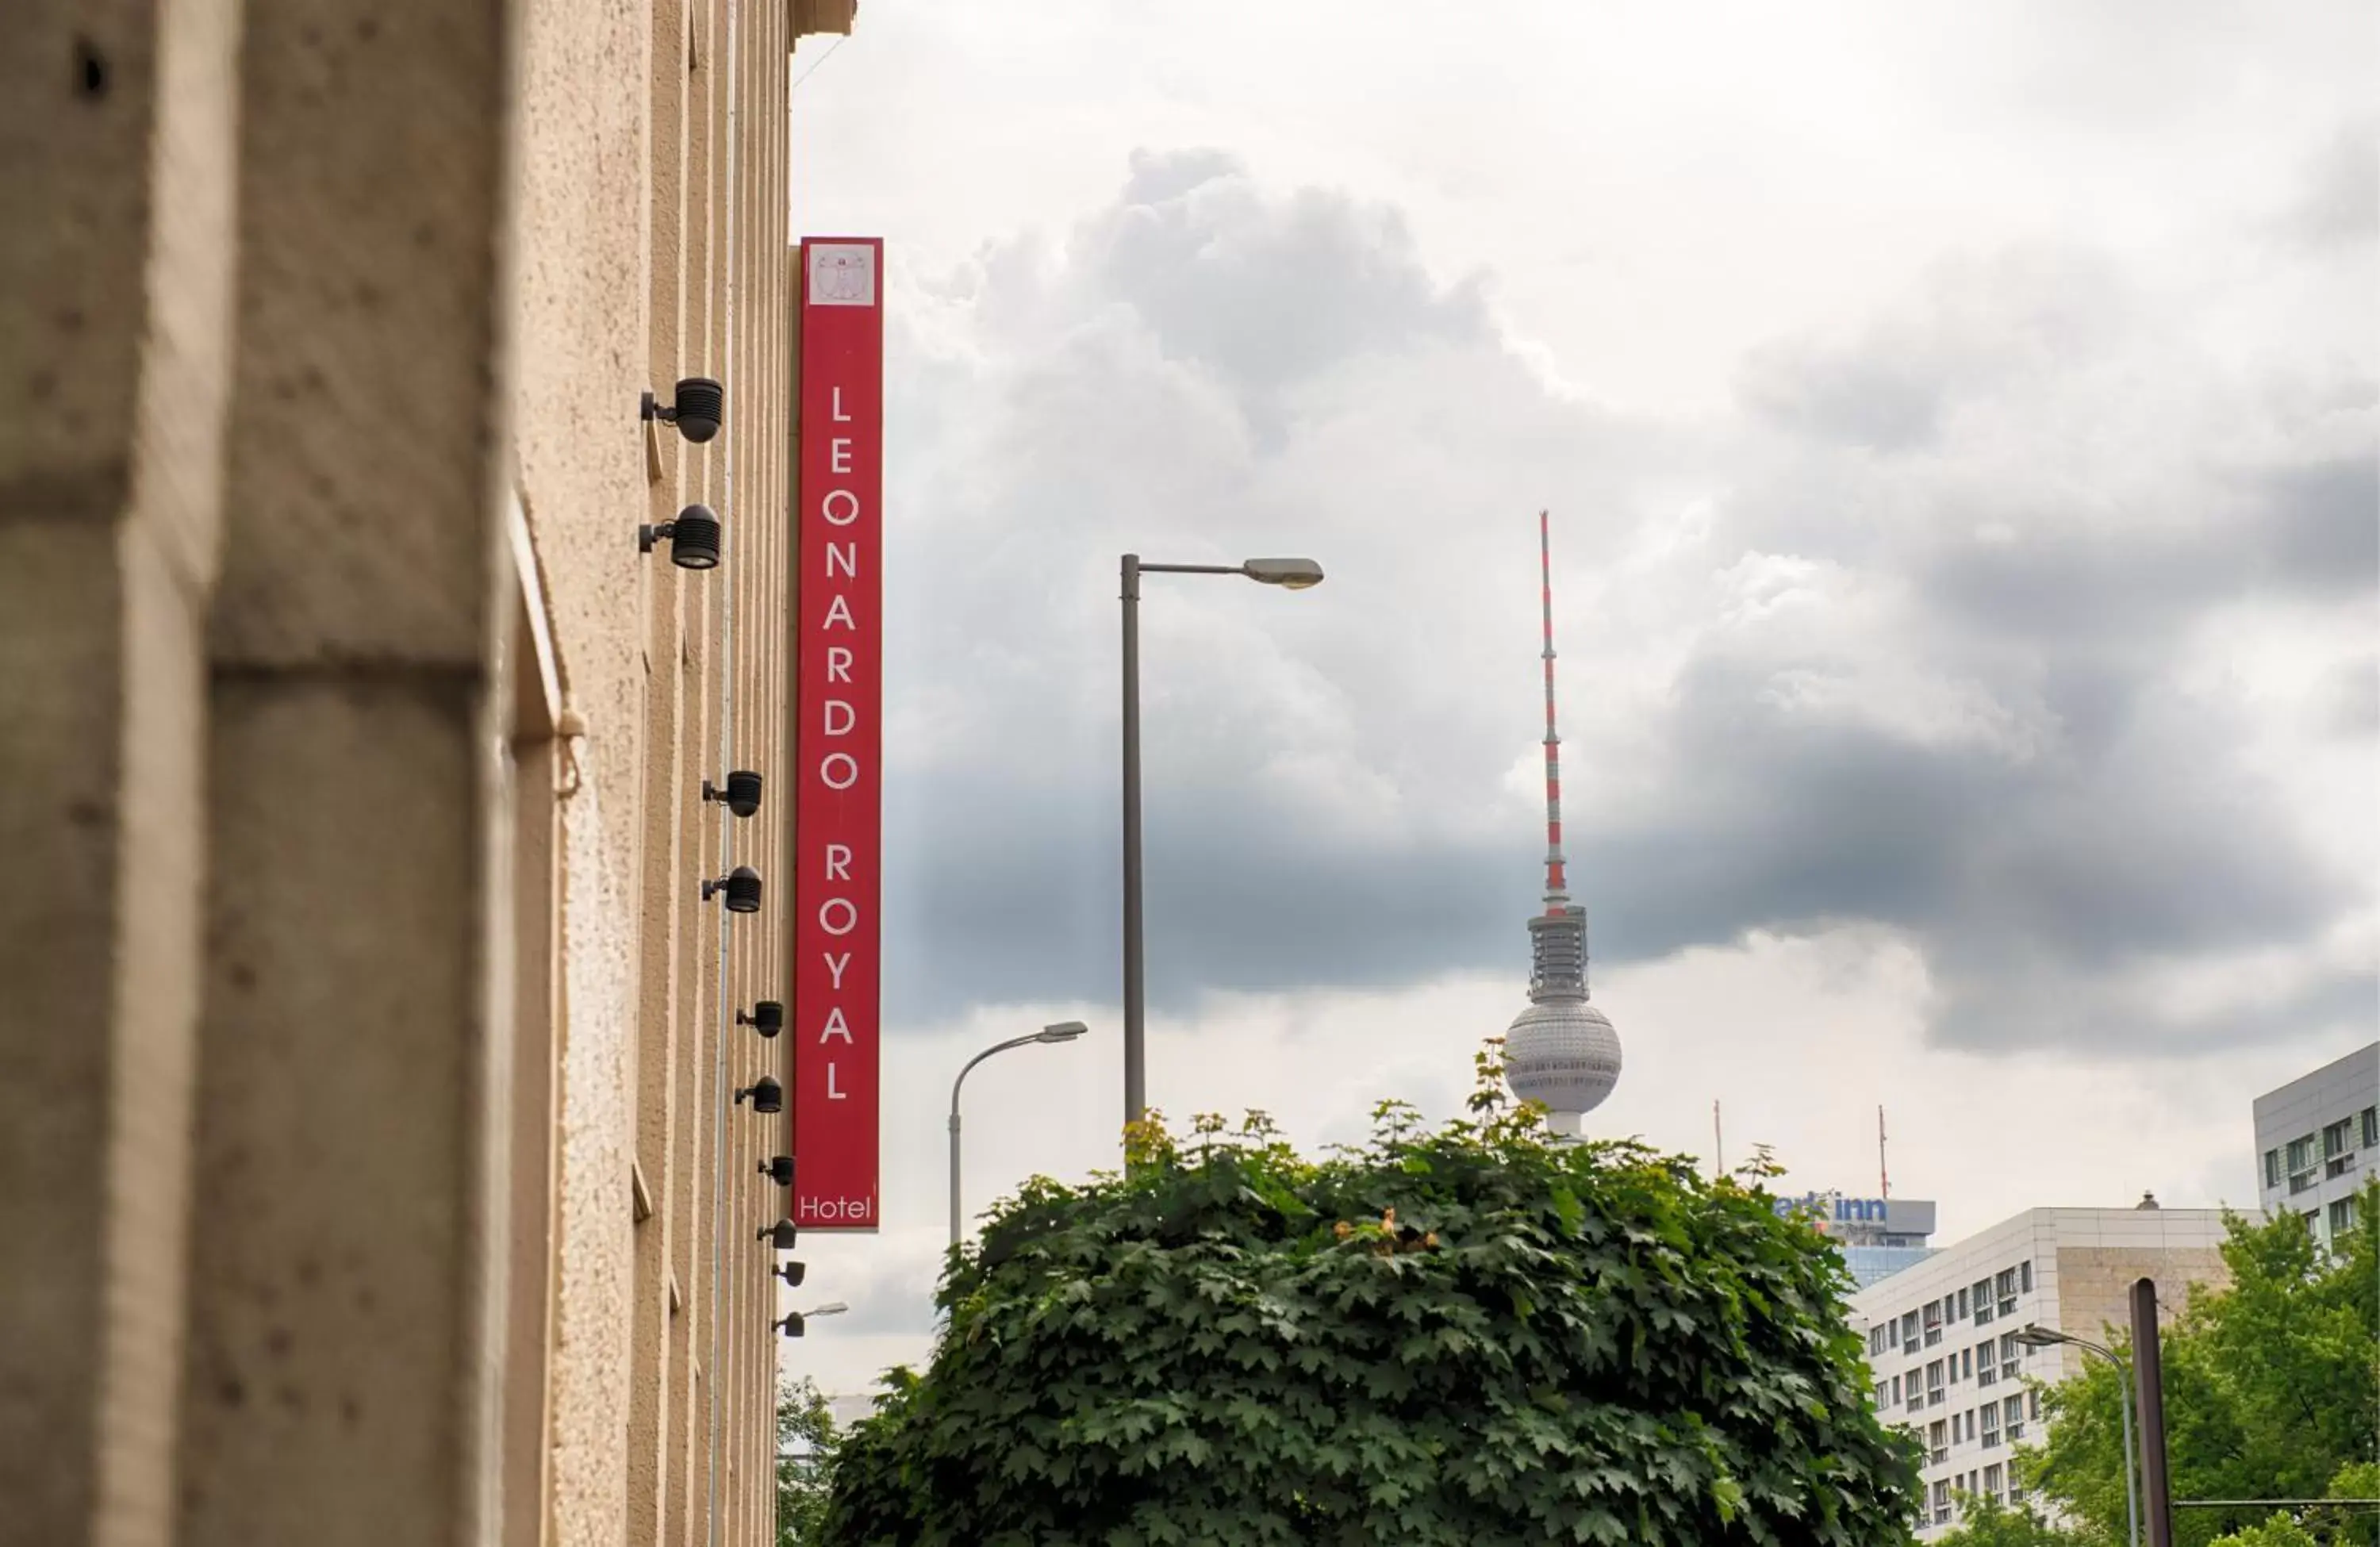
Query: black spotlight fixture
column 779, row 1235
column 793, row 1273
column 742, row 885
column 793, row 1325
column 768, row 1017
column 693, row 540
column 767, row 1096
column 700, row 408
column 742, row 795
column 779, row 1169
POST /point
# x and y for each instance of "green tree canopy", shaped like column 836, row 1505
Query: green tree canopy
column 1986, row 1522
column 805, row 1441
column 2272, row 1387
column 1473, row 1335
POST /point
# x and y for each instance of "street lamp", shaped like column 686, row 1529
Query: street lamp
column 1290, row 573
column 798, row 1322
column 1062, row 1031
column 2043, row 1337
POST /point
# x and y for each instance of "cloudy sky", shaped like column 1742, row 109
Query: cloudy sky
column 1960, row 429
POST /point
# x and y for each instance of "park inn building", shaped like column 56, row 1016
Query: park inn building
column 1941, row 1335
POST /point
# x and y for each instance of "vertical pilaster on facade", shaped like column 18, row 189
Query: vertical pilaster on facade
column 388, row 1186
column 346, row 1291
column 116, row 127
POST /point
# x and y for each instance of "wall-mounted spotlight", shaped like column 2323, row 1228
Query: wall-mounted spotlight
column 793, row 1325
column 742, row 885
column 779, row 1169
column 768, row 1017
column 700, row 408
column 793, row 1273
column 742, row 795
column 779, row 1235
column 693, row 538
column 767, row 1096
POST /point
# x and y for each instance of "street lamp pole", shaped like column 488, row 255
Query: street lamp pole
column 1062, row 1031
column 1291, row 574
column 2043, row 1337
column 1136, row 1046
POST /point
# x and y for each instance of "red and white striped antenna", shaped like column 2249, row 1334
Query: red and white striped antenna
column 1557, row 882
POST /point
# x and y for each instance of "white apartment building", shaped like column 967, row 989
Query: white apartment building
column 1941, row 1334
column 2318, row 1138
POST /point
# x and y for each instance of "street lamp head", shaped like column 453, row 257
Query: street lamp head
column 1290, row 573
column 832, row 1307
column 1063, row 1031
column 2041, row 1337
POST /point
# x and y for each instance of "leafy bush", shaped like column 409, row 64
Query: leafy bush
column 1475, row 1335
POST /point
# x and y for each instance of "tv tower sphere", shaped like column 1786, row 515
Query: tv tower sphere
column 1561, row 1051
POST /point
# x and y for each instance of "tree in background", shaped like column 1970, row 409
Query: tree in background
column 1989, row 1523
column 2272, row 1391
column 805, row 1441
column 1475, row 1335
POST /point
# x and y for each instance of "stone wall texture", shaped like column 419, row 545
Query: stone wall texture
column 2095, row 1284
column 367, row 1055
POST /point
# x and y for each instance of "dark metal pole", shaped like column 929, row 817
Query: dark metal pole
column 1135, row 1052
column 2148, row 1365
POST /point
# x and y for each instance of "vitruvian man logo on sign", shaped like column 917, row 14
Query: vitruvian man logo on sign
column 843, row 275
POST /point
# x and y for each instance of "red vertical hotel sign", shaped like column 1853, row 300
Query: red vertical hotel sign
column 838, row 739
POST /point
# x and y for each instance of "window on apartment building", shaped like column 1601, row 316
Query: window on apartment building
column 1942, row 1502
column 1992, row 1480
column 2338, row 1138
column 2273, row 1168
column 1896, row 1388
column 1937, row 1440
column 1962, row 1306
column 1985, row 1370
column 1966, row 1364
column 2371, row 1128
column 2300, row 1154
column 2013, row 1411
column 2033, row 1403
column 2006, row 1284
column 1881, row 1387
column 1934, row 1375
column 1933, row 1323
column 2342, row 1217
column 2024, row 1275
column 1991, row 1428
column 1983, row 1301
column 1909, row 1333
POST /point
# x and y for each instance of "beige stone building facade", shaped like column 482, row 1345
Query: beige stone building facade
column 371, row 1167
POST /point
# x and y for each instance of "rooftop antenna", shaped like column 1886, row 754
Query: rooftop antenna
column 1883, row 1174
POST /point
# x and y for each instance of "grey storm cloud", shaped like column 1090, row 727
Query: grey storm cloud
column 1209, row 367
